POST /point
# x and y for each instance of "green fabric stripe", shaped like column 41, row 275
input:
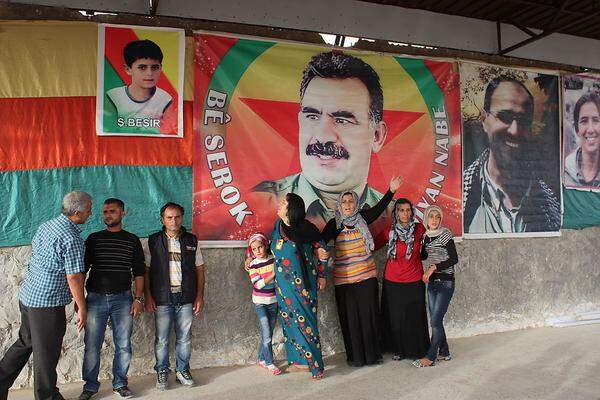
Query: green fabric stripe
column 235, row 62
column 581, row 209
column 426, row 83
column 28, row 198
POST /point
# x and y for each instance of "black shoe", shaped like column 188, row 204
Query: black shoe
column 162, row 380
column 86, row 395
column 123, row 392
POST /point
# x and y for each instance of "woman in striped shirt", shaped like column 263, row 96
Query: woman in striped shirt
column 355, row 275
column 439, row 253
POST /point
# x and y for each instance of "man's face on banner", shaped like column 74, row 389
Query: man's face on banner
column 336, row 134
column 508, row 125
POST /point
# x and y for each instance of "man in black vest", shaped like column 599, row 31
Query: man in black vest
column 174, row 292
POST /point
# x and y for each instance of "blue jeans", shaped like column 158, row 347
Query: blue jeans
column 101, row 308
column 267, row 316
column 180, row 315
column 439, row 293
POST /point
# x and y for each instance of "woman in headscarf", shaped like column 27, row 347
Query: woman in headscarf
column 582, row 166
column 403, row 298
column 439, row 253
column 355, row 275
column 298, row 275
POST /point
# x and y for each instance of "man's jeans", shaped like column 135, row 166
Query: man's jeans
column 439, row 293
column 101, row 308
column 267, row 316
column 180, row 315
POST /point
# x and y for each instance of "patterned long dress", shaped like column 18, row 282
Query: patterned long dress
column 297, row 301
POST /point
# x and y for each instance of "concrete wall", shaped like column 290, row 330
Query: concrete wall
column 501, row 285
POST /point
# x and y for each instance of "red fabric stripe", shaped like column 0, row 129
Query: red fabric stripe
column 57, row 132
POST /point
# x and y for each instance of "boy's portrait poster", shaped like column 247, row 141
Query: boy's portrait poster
column 140, row 81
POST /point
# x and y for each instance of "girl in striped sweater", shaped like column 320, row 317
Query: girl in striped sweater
column 263, row 296
column 439, row 253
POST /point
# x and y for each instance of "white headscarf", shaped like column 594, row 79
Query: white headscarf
column 436, row 249
column 433, row 232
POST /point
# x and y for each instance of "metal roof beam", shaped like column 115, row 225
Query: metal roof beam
column 548, row 33
column 522, row 28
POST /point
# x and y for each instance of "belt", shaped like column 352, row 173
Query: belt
column 175, row 289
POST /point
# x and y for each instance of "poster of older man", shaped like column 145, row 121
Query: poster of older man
column 279, row 118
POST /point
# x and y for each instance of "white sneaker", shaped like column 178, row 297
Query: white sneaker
column 185, row 378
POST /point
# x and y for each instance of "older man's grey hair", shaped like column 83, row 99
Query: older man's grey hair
column 75, row 201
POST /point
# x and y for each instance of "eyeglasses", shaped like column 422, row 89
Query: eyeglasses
column 507, row 117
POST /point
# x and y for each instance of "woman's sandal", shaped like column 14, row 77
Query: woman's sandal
column 272, row 368
column 318, row 376
column 419, row 364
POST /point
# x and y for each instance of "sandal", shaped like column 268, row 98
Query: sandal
column 419, row 364
column 320, row 375
column 272, row 368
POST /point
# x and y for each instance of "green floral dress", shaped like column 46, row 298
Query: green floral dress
column 298, row 299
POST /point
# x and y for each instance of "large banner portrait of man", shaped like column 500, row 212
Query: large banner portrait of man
column 581, row 132
column 276, row 118
column 511, row 152
column 140, row 81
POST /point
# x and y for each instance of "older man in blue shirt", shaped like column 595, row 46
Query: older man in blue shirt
column 54, row 277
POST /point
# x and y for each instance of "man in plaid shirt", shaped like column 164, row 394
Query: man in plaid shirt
column 54, row 277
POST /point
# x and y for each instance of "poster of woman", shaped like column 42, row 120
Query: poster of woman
column 581, row 132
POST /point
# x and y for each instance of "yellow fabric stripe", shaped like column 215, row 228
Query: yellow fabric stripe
column 47, row 59
column 57, row 59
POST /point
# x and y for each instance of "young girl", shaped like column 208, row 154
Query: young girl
column 263, row 296
column 439, row 254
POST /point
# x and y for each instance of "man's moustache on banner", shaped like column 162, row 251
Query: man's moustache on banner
column 327, row 149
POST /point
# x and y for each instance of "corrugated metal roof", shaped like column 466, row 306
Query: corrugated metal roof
column 573, row 17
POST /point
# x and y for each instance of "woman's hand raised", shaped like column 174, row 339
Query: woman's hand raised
column 395, row 183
